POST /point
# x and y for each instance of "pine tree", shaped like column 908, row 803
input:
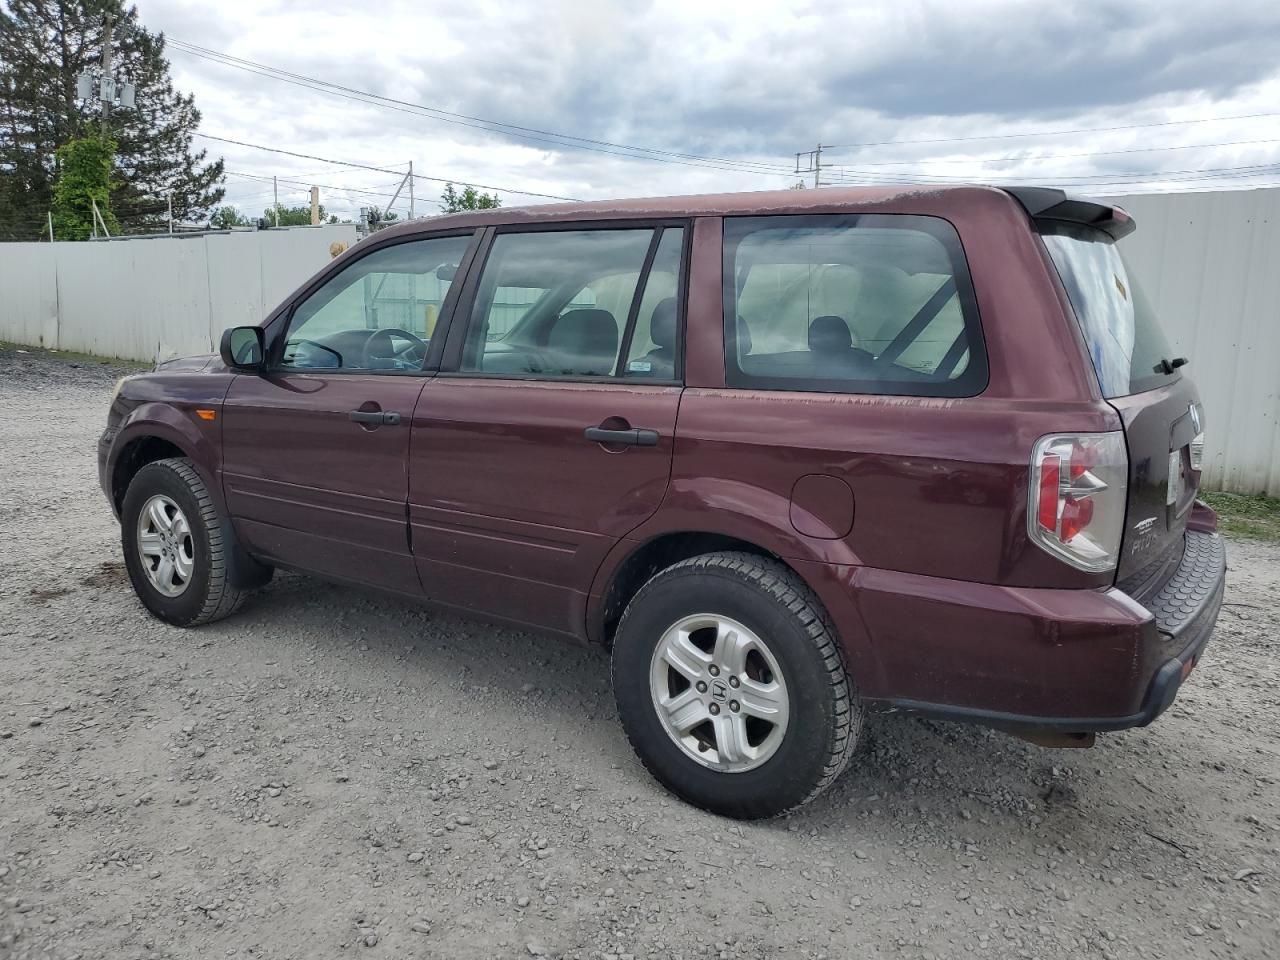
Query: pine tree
column 44, row 46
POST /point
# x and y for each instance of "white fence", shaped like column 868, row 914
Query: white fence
column 154, row 297
column 1210, row 262
column 1210, row 265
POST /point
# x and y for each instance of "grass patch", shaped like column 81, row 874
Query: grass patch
column 71, row 356
column 1246, row 515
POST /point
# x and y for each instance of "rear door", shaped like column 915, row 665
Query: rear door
column 315, row 450
column 548, row 435
column 1143, row 380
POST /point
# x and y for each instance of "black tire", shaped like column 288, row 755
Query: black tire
column 213, row 591
column 825, row 713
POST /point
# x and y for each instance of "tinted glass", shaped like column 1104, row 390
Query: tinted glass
column 655, row 342
column 556, row 303
column 377, row 314
column 861, row 304
column 1125, row 341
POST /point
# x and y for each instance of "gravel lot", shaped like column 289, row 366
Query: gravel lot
column 334, row 773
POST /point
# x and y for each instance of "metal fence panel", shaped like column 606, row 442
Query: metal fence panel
column 1210, row 265
column 28, row 294
column 150, row 298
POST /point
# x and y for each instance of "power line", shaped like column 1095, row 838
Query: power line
column 493, row 126
column 365, row 166
column 567, row 140
column 638, row 152
column 1203, row 173
column 307, row 184
column 1055, row 133
column 1059, row 156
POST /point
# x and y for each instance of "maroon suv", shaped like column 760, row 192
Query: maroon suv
column 791, row 455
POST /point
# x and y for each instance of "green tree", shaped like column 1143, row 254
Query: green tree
column 44, row 46
column 224, row 218
column 295, row 216
column 84, row 179
column 453, row 201
column 378, row 215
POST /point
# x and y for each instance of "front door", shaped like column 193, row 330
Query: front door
column 315, row 450
column 551, row 437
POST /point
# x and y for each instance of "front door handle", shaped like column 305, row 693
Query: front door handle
column 630, row 437
column 387, row 418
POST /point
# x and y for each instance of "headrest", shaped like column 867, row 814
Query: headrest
column 662, row 324
column 829, row 335
column 586, row 333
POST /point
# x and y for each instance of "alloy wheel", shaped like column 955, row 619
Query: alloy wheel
column 165, row 545
column 719, row 692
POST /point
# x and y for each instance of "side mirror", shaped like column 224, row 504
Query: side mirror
column 242, row 348
column 446, row 271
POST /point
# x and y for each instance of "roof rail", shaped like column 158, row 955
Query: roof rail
column 1049, row 204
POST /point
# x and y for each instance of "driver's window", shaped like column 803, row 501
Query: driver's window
column 377, row 314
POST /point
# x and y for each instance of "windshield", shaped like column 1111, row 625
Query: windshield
column 1129, row 350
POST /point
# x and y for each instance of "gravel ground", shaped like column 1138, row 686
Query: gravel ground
column 335, row 773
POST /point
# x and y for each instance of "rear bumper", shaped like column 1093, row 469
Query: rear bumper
column 1026, row 658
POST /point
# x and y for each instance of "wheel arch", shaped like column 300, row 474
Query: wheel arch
column 632, row 563
column 158, row 432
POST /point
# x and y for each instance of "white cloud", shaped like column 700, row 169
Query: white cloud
column 751, row 81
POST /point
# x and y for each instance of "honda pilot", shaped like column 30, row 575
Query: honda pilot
column 790, row 456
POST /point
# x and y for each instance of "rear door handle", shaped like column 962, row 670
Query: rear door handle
column 630, row 438
column 389, row 418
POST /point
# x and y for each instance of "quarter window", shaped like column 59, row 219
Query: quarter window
column 377, row 314
column 567, row 303
column 850, row 304
column 1126, row 343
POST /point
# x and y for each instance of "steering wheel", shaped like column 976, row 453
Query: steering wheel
column 378, row 337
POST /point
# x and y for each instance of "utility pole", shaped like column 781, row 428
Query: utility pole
column 410, row 189
column 315, row 206
column 813, row 163
column 275, row 200
column 104, row 87
column 50, row 215
column 106, row 72
column 169, row 194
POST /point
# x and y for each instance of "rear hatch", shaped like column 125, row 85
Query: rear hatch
column 1144, row 381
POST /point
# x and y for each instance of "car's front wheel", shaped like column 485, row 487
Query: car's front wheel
column 177, row 550
column 731, row 686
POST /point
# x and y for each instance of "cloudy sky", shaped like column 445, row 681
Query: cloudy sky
column 594, row 98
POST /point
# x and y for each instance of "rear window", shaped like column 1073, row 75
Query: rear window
column 851, row 304
column 1125, row 341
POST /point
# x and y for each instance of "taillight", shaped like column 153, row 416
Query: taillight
column 1197, row 442
column 1078, row 488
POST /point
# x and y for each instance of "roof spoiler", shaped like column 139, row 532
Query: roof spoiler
column 1048, row 204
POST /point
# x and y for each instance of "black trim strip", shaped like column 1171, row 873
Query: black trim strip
column 633, row 313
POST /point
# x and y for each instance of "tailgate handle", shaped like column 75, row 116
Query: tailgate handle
column 630, row 438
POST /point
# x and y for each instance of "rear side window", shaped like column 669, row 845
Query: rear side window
column 850, row 304
column 1128, row 348
column 579, row 303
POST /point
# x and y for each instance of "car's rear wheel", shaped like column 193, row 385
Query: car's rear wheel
column 179, row 553
column 731, row 685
